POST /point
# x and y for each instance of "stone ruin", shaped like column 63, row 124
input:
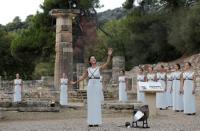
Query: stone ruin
column 39, row 93
column 35, row 92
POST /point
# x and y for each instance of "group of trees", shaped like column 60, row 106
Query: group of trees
column 28, row 47
column 156, row 30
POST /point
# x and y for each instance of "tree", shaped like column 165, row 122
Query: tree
column 34, row 41
column 184, row 32
column 141, row 38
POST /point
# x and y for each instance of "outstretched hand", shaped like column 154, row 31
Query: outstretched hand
column 110, row 51
column 72, row 82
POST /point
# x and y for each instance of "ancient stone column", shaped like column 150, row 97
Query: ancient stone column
column 118, row 63
column 63, row 47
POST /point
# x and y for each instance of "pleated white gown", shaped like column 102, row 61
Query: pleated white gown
column 122, row 89
column 94, row 114
column 140, row 95
column 188, row 97
column 161, row 100
column 63, row 91
column 151, row 78
column 102, row 95
column 168, row 92
column 17, row 90
column 176, row 96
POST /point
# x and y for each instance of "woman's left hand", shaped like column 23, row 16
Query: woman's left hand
column 72, row 82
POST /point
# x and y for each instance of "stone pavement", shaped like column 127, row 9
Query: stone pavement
column 75, row 120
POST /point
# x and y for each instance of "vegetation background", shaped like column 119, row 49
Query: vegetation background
column 156, row 30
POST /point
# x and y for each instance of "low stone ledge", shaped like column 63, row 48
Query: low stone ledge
column 38, row 109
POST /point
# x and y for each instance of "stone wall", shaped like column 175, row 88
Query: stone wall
column 33, row 91
column 195, row 60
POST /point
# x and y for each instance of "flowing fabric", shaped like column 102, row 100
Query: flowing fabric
column 63, row 91
column 122, row 89
column 168, row 92
column 161, row 99
column 17, row 90
column 177, row 97
column 140, row 95
column 188, row 97
column 94, row 97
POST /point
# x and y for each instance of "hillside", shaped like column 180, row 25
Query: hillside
column 108, row 15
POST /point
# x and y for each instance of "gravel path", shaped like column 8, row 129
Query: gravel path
column 75, row 120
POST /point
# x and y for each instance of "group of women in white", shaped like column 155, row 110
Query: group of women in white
column 179, row 87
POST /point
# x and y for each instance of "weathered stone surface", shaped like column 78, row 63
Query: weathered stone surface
column 118, row 64
column 64, row 50
column 38, row 109
column 122, row 105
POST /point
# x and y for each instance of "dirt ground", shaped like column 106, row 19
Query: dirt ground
column 75, row 120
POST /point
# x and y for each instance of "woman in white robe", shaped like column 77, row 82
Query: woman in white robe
column 140, row 78
column 63, row 91
column 94, row 114
column 177, row 97
column 151, row 76
column 188, row 90
column 169, row 86
column 161, row 100
column 122, row 87
column 18, row 84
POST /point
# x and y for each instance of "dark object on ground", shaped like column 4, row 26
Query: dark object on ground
column 144, row 109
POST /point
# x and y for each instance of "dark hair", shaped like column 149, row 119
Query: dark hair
column 89, row 59
column 123, row 71
column 179, row 67
column 140, row 68
column 189, row 63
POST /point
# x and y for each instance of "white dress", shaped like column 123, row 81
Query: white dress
column 101, row 81
column 122, row 89
column 151, row 77
column 17, row 90
column 177, row 98
column 94, row 115
column 161, row 100
column 168, row 92
column 63, row 91
column 140, row 95
column 188, row 97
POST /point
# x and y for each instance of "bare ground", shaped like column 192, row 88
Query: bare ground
column 75, row 120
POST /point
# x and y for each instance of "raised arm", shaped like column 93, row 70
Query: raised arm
column 108, row 59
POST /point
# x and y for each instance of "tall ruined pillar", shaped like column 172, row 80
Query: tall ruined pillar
column 117, row 66
column 63, row 48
